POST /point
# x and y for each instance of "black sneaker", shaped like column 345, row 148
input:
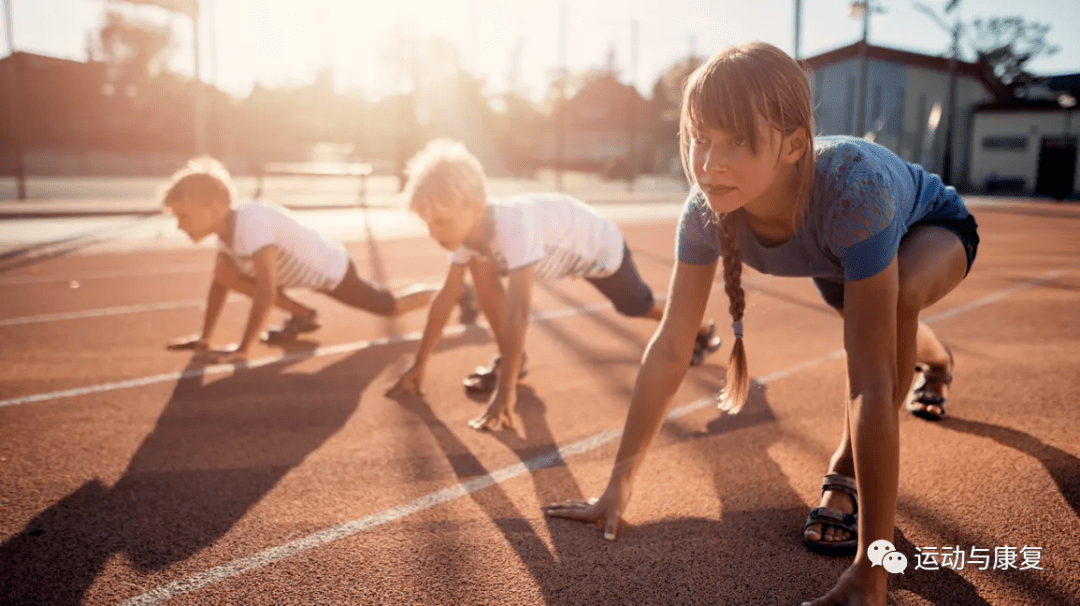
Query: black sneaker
column 705, row 344
column 291, row 328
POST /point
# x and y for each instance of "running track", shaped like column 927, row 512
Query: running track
column 129, row 475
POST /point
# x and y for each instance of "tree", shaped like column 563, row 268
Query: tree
column 667, row 94
column 142, row 48
column 1006, row 44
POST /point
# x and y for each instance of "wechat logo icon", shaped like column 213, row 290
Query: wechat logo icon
column 883, row 553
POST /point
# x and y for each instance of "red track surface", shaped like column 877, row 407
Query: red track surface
column 298, row 482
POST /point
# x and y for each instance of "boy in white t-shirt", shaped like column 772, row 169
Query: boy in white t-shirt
column 523, row 237
column 262, row 250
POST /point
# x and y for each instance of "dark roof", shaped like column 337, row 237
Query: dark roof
column 978, row 71
column 1020, row 105
column 1064, row 82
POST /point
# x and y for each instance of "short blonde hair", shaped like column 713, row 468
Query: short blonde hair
column 442, row 177
column 203, row 180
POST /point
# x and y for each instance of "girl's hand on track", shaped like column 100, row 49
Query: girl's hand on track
column 408, row 384
column 605, row 511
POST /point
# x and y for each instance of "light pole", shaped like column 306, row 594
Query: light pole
column 560, row 107
column 798, row 27
column 12, row 87
column 954, row 59
column 863, row 9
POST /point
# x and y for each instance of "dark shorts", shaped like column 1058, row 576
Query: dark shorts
column 625, row 289
column 966, row 229
column 357, row 292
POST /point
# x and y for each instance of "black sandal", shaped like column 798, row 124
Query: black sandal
column 936, row 382
column 835, row 517
column 485, row 378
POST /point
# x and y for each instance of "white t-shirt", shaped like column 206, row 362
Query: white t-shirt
column 563, row 236
column 304, row 258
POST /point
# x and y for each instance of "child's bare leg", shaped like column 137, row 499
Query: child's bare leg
column 932, row 353
column 843, row 464
column 229, row 275
column 932, row 263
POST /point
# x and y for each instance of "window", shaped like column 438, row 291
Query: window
column 1005, row 142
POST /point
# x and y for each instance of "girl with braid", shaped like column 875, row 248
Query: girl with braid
column 882, row 240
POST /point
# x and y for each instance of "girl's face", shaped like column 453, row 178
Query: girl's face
column 729, row 172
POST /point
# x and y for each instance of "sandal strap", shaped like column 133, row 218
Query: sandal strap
column 937, row 373
column 833, row 517
column 840, row 482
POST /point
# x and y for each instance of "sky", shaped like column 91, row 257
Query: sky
column 284, row 42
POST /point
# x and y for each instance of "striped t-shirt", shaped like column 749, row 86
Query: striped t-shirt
column 304, row 258
column 560, row 234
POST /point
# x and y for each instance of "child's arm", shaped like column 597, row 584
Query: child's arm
column 879, row 339
column 515, row 322
column 439, row 313
column 262, row 302
column 413, row 298
column 215, row 302
column 666, row 361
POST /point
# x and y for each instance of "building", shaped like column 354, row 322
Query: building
column 902, row 91
column 68, row 117
column 598, row 129
column 1028, row 145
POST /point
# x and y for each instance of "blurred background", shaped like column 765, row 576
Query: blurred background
column 327, row 99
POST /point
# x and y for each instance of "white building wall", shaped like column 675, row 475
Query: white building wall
column 921, row 89
column 1032, row 126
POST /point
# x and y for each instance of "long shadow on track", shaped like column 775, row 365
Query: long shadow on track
column 216, row 451
column 1063, row 467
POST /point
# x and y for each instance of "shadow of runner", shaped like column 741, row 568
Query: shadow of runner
column 51, row 249
column 945, row 586
column 1062, row 466
column 539, row 453
column 784, row 571
column 217, row 449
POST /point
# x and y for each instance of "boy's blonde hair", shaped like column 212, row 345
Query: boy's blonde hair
column 442, row 178
column 202, row 180
column 727, row 93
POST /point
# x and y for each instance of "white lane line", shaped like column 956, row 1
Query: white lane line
column 215, row 369
column 129, row 309
column 328, row 350
column 105, row 311
column 323, row 537
column 170, row 269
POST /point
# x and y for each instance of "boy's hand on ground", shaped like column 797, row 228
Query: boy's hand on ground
column 605, row 511
column 196, row 342
column 408, row 384
column 499, row 413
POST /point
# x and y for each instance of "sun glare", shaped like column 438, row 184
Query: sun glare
column 283, row 42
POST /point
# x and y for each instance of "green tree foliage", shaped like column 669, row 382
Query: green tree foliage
column 1007, row 44
column 141, row 47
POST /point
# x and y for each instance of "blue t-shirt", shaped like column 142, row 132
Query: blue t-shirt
column 864, row 200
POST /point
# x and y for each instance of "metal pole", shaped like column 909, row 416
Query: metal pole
column 199, row 101
column 12, row 86
column 860, row 116
column 798, row 27
column 631, row 116
column 950, row 115
column 560, row 116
